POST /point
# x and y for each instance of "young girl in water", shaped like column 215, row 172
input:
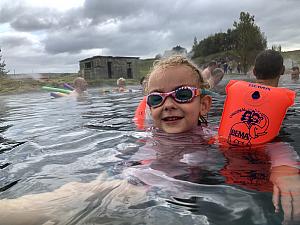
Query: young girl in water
column 176, row 97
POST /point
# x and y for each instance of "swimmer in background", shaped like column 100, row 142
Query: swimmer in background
column 143, row 84
column 80, row 87
column 295, row 73
column 142, row 81
column 268, row 68
column 121, row 83
column 215, row 78
column 207, row 72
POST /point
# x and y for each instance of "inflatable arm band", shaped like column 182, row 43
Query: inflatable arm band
column 61, row 90
column 140, row 114
column 253, row 113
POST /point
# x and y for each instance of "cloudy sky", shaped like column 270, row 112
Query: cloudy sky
column 53, row 35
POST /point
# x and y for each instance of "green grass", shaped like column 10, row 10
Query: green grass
column 144, row 66
column 10, row 86
column 207, row 59
column 16, row 86
column 291, row 55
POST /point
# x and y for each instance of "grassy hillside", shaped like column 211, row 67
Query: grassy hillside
column 220, row 55
column 10, row 86
column 293, row 55
column 144, row 66
column 290, row 57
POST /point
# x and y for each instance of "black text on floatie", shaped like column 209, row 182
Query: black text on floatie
column 239, row 134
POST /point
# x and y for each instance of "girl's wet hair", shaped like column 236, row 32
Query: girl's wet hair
column 176, row 60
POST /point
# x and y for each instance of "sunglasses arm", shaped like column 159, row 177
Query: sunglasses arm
column 207, row 92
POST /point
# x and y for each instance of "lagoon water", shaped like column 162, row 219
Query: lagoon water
column 121, row 176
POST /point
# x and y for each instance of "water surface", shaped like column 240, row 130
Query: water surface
column 139, row 179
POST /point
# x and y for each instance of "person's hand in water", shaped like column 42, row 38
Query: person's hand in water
column 286, row 191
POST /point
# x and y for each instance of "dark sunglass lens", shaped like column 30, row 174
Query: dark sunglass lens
column 184, row 94
column 154, row 100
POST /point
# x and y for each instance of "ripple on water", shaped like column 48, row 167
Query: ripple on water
column 47, row 143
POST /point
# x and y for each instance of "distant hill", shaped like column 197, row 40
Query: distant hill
column 291, row 58
column 144, row 66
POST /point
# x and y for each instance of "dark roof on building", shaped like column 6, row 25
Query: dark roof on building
column 113, row 57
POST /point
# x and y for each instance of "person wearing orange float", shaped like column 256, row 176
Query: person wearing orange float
column 260, row 108
column 251, row 113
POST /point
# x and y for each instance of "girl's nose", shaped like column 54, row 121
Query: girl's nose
column 169, row 103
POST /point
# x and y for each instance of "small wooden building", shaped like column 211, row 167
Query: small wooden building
column 107, row 67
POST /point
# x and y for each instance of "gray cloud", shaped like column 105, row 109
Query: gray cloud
column 29, row 22
column 11, row 41
column 60, row 63
column 101, row 10
column 141, row 28
column 8, row 12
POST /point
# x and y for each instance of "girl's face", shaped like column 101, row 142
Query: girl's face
column 171, row 116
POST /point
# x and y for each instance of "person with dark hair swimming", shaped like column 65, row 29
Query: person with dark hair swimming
column 268, row 67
